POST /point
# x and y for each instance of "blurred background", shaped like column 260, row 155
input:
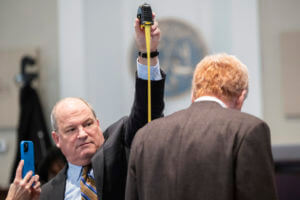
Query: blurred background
column 86, row 48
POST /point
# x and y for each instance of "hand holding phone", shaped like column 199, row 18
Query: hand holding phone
column 27, row 154
column 19, row 188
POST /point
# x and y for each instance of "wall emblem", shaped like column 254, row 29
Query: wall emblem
column 181, row 48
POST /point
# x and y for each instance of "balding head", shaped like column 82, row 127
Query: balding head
column 67, row 102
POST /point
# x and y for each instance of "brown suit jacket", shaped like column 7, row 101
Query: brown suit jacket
column 204, row 152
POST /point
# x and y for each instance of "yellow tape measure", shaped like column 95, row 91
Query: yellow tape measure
column 145, row 15
column 148, row 40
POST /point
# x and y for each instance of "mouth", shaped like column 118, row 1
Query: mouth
column 83, row 144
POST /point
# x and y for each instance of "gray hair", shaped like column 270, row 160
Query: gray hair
column 53, row 112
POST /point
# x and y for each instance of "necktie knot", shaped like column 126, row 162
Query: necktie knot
column 85, row 170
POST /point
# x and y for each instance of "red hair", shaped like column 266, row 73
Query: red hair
column 220, row 75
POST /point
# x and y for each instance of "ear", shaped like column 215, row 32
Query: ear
column 55, row 138
column 192, row 97
column 240, row 100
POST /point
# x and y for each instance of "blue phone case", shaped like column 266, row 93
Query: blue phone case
column 27, row 154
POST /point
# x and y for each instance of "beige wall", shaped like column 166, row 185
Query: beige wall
column 276, row 17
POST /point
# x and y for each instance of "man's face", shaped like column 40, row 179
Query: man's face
column 79, row 134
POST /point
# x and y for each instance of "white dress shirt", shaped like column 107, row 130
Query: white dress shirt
column 211, row 98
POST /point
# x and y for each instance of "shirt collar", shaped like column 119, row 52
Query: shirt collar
column 211, row 98
column 74, row 172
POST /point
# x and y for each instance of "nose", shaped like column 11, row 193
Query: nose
column 82, row 133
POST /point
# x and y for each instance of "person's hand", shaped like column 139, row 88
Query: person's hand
column 22, row 188
column 140, row 35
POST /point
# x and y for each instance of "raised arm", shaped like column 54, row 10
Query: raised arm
column 138, row 115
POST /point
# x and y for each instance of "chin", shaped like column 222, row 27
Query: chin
column 87, row 153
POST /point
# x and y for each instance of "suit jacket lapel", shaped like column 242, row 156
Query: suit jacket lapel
column 98, row 167
column 59, row 185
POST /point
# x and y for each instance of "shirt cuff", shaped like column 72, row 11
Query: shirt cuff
column 142, row 72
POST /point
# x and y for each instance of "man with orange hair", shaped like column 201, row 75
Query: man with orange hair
column 211, row 150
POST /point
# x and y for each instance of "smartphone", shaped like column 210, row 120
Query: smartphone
column 27, row 154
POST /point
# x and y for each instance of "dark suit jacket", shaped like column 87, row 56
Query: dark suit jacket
column 203, row 152
column 32, row 126
column 110, row 161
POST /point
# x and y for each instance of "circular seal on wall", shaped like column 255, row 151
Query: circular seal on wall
column 180, row 49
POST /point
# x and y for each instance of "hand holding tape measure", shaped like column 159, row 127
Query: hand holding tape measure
column 147, row 39
column 140, row 34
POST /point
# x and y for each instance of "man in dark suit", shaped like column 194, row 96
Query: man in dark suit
column 77, row 133
column 209, row 151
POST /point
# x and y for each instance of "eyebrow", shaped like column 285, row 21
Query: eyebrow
column 68, row 127
column 85, row 121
